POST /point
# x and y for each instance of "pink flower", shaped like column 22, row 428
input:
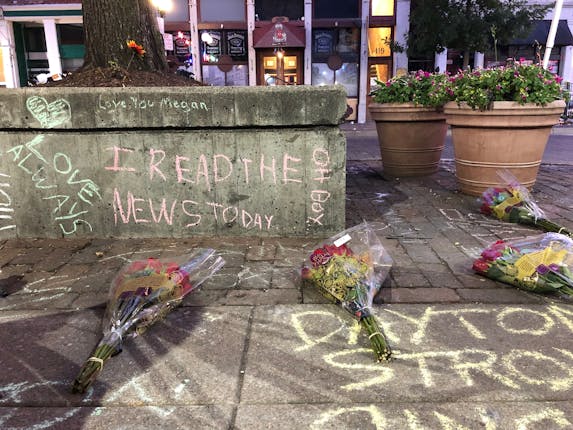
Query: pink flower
column 320, row 257
column 491, row 254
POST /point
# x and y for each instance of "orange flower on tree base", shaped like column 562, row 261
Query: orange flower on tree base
column 138, row 49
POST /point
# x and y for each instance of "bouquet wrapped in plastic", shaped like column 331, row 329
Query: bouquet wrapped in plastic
column 540, row 264
column 513, row 203
column 349, row 269
column 141, row 294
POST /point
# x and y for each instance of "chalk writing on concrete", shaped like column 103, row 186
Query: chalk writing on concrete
column 139, row 103
column 490, row 418
column 6, row 208
column 129, row 208
column 510, row 368
column 376, row 416
column 205, row 171
column 39, row 167
column 50, row 115
column 15, row 393
column 319, row 196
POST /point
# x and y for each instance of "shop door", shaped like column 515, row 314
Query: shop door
column 279, row 66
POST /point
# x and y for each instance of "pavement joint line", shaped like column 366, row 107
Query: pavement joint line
column 243, row 366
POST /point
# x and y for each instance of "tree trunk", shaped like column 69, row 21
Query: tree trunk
column 466, row 60
column 109, row 24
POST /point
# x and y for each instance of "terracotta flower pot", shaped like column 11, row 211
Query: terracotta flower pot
column 510, row 137
column 411, row 137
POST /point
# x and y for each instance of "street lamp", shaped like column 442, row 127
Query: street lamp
column 163, row 6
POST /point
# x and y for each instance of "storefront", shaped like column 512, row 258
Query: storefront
column 39, row 40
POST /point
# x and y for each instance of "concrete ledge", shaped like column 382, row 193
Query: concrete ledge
column 179, row 107
column 172, row 162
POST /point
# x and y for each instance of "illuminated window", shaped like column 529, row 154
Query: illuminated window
column 379, row 72
column 382, row 7
column 378, row 41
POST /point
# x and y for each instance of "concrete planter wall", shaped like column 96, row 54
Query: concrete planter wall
column 172, row 162
column 411, row 137
column 510, row 137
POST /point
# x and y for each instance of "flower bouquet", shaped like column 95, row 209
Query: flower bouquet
column 513, row 203
column 141, row 294
column 348, row 269
column 540, row 264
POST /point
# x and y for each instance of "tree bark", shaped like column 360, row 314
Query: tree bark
column 109, row 24
column 466, row 59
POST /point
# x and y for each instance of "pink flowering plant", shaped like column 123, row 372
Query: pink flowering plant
column 519, row 83
column 421, row 88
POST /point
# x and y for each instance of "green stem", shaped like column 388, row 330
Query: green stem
column 377, row 339
column 552, row 227
column 91, row 368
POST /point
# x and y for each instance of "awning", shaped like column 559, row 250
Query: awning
column 263, row 36
column 539, row 33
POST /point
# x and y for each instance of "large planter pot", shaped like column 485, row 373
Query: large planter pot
column 510, row 137
column 411, row 137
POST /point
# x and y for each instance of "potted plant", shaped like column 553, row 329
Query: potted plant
column 500, row 120
column 410, row 122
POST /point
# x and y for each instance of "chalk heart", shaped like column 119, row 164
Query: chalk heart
column 49, row 115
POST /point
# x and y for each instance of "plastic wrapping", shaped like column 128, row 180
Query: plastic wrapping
column 142, row 293
column 513, row 203
column 540, row 264
column 349, row 269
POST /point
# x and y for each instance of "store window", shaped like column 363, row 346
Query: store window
column 35, row 39
column 336, row 9
column 382, row 7
column 379, row 41
column 335, row 57
column 72, row 49
column 237, row 75
column 342, row 41
column 266, row 10
column 222, row 43
column 380, row 72
column 222, row 10
column 224, row 57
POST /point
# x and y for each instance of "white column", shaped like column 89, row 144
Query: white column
column 441, row 61
column 9, row 65
column 54, row 61
column 400, row 63
column 479, row 60
column 309, row 41
column 194, row 31
column 364, row 70
column 250, row 42
column 566, row 66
